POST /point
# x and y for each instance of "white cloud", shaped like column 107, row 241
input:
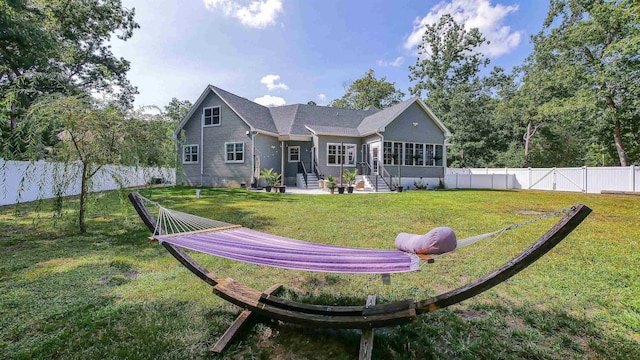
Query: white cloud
column 258, row 14
column 395, row 63
column 270, row 81
column 322, row 97
column 473, row 13
column 269, row 100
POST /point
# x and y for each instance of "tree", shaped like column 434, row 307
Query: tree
column 594, row 44
column 176, row 110
column 446, row 71
column 51, row 46
column 87, row 134
column 369, row 91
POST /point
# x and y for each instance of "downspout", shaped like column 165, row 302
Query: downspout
column 201, row 150
column 282, row 163
column 380, row 155
column 253, row 156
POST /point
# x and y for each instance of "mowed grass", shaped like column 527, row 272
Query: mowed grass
column 111, row 294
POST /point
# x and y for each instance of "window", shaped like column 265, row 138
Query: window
column 211, row 116
column 189, row 154
column 397, row 153
column 419, row 155
column 388, row 159
column 428, row 155
column 438, row 157
column 294, row 153
column 235, row 152
column 341, row 154
column 408, row 154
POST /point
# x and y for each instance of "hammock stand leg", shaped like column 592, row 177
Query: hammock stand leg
column 366, row 341
column 239, row 324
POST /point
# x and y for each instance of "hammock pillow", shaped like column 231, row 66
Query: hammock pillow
column 437, row 241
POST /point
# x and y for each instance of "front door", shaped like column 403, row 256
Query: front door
column 374, row 155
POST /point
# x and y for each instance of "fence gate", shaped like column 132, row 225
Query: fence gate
column 554, row 176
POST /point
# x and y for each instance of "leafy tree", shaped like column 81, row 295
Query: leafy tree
column 89, row 135
column 369, row 91
column 51, row 46
column 312, row 103
column 588, row 50
column 446, row 71
column 176, row 110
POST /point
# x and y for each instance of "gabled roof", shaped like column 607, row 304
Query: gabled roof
column 299, row 119
column 378, row 121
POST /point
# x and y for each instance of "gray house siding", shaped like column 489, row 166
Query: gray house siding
column 268, row 149
column 334, row 170
column 424, row 131
column 402, row 129
column 291, row 168
column 216, row 171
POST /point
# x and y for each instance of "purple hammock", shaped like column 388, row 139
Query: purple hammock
column 246, row 245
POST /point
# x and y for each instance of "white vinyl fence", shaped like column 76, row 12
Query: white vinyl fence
column 22, row 181
column 592, row 180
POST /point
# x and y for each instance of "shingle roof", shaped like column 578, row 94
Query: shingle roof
column 298, row 119
column 375, row 122
column 255, row 114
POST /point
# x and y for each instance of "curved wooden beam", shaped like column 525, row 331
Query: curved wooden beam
column 547, row 242
column 363, row 317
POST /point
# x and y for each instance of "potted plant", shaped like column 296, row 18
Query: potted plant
column 270, row 177
column 331, row 183
column 399, row 186
column 350, row 178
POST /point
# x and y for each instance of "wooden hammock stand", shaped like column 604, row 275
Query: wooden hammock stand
column 367, row 317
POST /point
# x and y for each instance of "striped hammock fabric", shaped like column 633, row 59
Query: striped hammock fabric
column 246, row 245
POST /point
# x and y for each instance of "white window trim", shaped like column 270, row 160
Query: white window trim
column 289, row 152
column 197, row 154
column 219, row 116
column 226, row 153
column 346, row 145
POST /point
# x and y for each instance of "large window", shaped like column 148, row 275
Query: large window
column 412, row 154
column 341, row 154
column 294, row 153
column 211, row 116
column 189, row 154
column 235, row 152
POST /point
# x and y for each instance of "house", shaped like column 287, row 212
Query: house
column 226, row 139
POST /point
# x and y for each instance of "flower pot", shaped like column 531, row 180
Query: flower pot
column 267, row 188
column 350, row 189
column 340, row 189
column 399, row 188
column 282, row 189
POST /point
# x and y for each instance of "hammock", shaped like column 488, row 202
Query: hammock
column 366, row 317
column 242, row 244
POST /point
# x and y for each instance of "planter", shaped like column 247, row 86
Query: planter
column 267, row 188
column 282, row 189
column 340, row 189
column 350, row 189
column 399, row 188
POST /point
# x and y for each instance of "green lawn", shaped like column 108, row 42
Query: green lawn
column 112, row 294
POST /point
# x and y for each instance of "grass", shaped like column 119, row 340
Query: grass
column 111, row 294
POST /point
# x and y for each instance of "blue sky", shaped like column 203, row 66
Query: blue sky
column 286, row 52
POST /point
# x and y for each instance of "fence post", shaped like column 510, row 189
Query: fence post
column 529, row 185
column 585, row 172
column 632, row 168
column 554, row 178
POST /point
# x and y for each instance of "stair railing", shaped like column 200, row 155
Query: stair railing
column 302, row 169
column 384, row 174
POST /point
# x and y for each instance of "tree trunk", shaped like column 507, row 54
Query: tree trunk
column 83, row 197
column 617, row 133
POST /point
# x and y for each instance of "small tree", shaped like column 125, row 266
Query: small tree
column 88, row 135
